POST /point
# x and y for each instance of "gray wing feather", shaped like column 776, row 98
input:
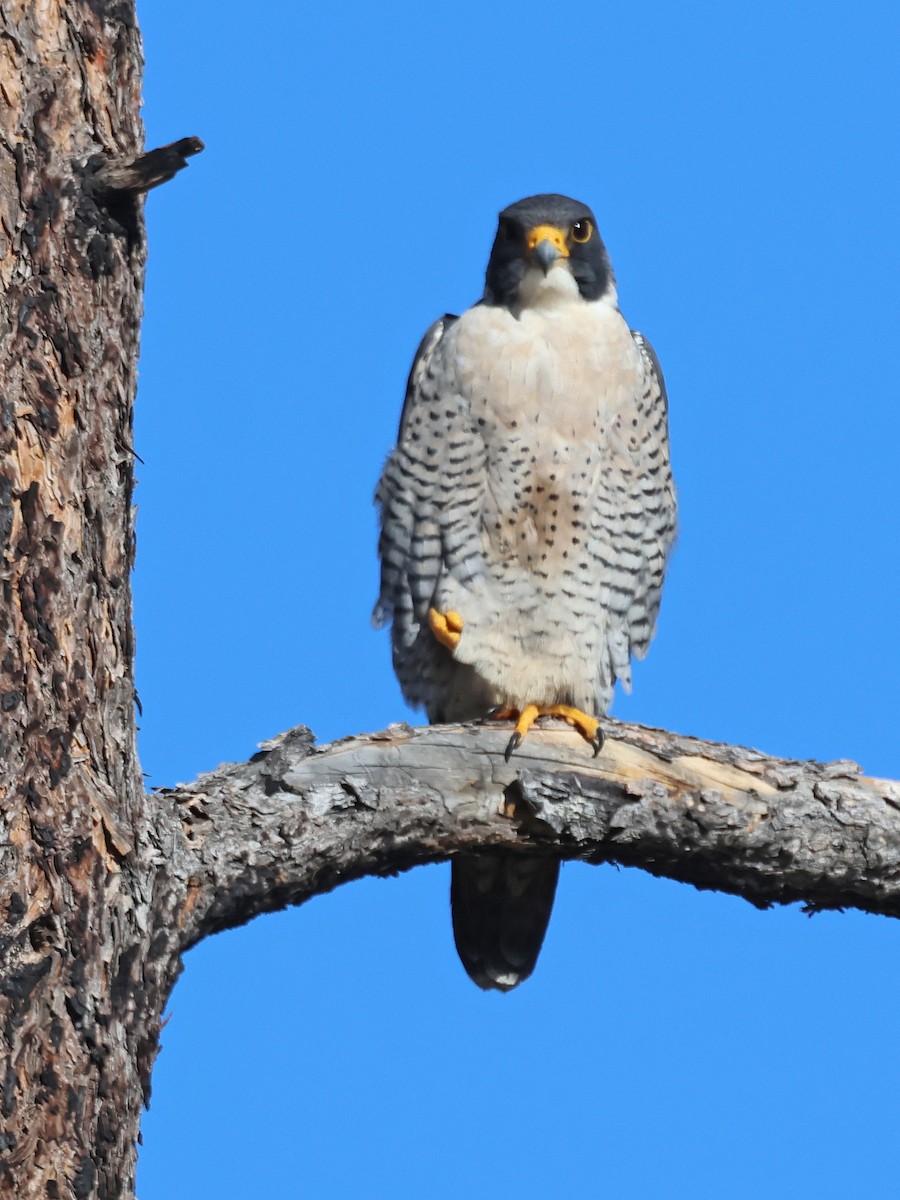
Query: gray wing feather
column 398, row 497
column 660, row 505
column 634, row 527
column 431, row 495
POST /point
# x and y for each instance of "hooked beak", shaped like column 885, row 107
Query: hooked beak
column 546, row 245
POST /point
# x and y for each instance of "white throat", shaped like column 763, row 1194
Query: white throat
column 556, row 289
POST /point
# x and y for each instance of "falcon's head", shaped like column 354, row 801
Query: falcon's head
column 547, row 246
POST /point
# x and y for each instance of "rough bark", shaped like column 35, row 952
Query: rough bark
column 297, row 820
column 102, row 888
column 77, row 957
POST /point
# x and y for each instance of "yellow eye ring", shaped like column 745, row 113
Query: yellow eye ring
column 581, row 231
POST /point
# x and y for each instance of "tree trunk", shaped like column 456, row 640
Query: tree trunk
column 102, row 888
column 79, row 1009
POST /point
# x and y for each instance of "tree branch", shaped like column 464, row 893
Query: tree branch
column 135, row 175
column 296, row 820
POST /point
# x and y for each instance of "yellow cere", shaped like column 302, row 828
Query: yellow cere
column 548, row 233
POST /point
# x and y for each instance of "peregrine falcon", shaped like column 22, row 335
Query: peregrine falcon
column 527, row 513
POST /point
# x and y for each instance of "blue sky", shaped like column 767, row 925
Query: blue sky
column 742, row 162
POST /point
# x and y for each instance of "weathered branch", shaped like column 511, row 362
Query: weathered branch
column 295, row 820
column 149, row 170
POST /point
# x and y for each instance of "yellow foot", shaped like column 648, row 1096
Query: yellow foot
column 587, row 726
column 446, row 627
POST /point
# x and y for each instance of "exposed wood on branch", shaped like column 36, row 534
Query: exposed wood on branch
column 295, row 821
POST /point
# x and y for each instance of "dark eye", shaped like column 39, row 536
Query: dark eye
column 581, row 231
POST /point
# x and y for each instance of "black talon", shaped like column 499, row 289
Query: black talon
column 597, row 742
column 491, row 714
column 513, row 744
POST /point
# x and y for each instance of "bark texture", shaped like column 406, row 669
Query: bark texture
column 76, row 1047
column 297, row 820
column 103, row 888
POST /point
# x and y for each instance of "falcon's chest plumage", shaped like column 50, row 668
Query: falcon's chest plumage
column 547, row 392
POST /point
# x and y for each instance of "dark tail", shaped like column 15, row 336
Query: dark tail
column 501, row 904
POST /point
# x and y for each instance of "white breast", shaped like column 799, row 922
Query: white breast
column 566, row 365
column 545, row 390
